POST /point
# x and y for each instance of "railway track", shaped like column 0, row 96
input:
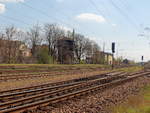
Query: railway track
column 28, row 74
column 42, row 69
column 12, row 77
column 79, row 84
column 60, row 83
column 20, row 101
column 22, row 76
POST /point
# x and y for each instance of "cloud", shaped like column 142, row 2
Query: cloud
column 147, row 29
column 7, row 1
column 2, row 4
column 91, row 17
column 2, row 8
column 65, row 28
column 114, row 25
column 60, row 1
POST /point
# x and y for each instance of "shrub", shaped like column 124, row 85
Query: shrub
column 44, row 58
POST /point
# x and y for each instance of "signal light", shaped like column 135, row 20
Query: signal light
column 113, row 47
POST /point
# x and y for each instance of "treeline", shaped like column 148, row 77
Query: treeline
column 48, row 35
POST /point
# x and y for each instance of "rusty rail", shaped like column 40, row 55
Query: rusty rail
column 63, row 94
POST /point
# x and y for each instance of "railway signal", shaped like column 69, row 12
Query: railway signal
column 142, row 58
column 113, row 51
column 113, row 47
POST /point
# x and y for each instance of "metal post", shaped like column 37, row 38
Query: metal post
column 112, row 61
column 113, row 51
column 142, row 63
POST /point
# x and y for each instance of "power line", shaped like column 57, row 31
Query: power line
column 106, row 8
column 126, row 6
column 14, row 19
column 65, row 15
column 23, row 22
column 56, row 10
column 62, row 14
column 95, row 6
column 28, row 17
column 17, row 20
column 43, row 13
column 124, row 14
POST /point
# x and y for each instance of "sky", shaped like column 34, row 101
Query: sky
column 125, row 22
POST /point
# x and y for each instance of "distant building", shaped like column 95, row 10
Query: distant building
column 12, row 51
column 108, row 58
column 100, row 58
column 65, row 50
column 94, row 58
column 25, row 51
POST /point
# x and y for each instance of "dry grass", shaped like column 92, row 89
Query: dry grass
column 11, row 68
column 136, row 104
column 130, row 69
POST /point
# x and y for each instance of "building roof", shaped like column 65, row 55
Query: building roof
column 12, row 41
column 107, row 53
column 66, row 38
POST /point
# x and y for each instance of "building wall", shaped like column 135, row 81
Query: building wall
column 108, row 58
column 65, row 51
column 12, row 51
column 25, row 51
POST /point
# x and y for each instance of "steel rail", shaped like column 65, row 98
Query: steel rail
column 45, row 95
column 72, row 94
column 57, row 83
column 10, row 96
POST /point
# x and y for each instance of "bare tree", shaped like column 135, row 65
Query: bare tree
column 96, row 54
column 10, row 34
column 1, row 38
column 34, row 38
column 52, row 34
column 86, row 49
column 80, row 46
column 1, row 46
column 1, row 35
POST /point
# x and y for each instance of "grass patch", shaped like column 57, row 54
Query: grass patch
column 49, row 66
column 131, row 69
column 62, row 66
column 136, row 104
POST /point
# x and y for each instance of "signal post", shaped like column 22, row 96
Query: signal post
column 113, row 51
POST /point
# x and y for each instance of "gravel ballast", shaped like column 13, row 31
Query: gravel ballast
column 100, row 102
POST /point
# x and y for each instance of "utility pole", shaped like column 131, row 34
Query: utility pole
column 73, row 33
column 73, row 37
column 103, row 53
